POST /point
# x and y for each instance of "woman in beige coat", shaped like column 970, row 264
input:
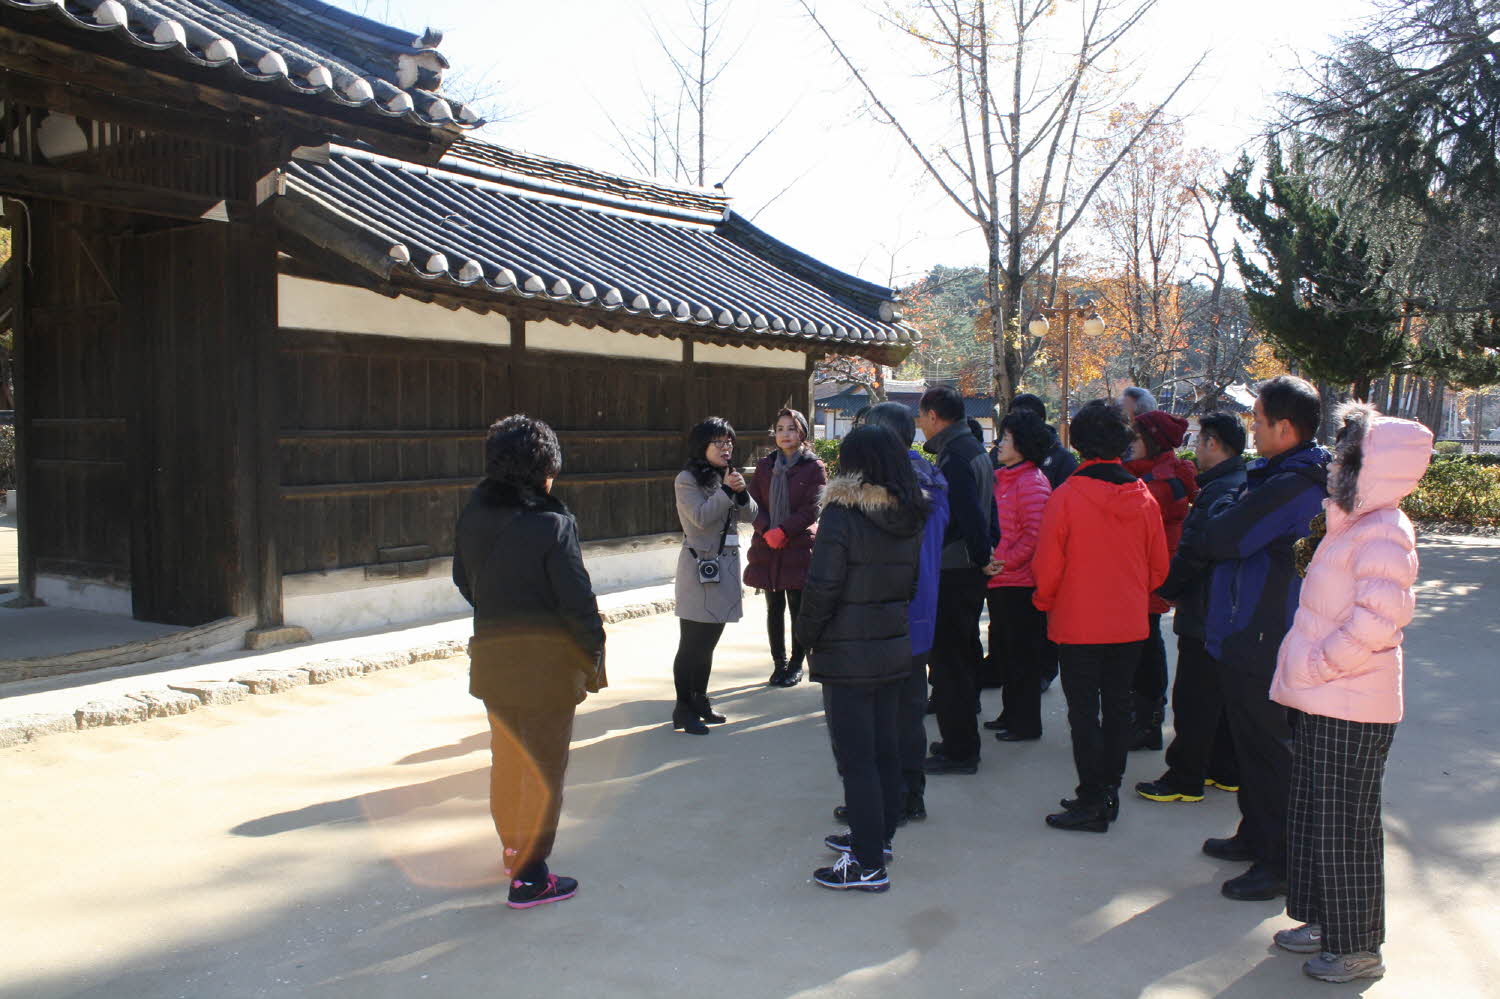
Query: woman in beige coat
column 711, row 502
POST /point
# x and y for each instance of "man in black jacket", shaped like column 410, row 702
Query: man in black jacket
column 966, row 551
column 538, row 645
column 1201, row 752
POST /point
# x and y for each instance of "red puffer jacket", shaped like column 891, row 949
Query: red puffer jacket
column 1100, row 554
column 1174, row 485
column 1021, row 491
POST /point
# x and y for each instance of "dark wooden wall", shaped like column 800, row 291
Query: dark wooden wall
column 382, row 437
column 135, row 381
column 78, row 397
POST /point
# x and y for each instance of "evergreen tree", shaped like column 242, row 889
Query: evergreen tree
column 1319, row 297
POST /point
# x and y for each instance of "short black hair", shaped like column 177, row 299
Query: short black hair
column 894, row 417
column 944, row 402
column 522, row 452
column 1028, row 403
column 699, row 438
column 976, row 428
column 1224, row 428
column 879, row 458
column 1287, row 397
column 1100, row 431
column 1028, row 434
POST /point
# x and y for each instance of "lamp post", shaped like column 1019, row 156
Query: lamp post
column 1093, row 325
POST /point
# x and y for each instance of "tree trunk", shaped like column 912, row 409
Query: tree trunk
column 1362, row 389
column 1330, row 400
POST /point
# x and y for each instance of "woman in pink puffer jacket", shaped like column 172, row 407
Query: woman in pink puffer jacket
column 1339, row 669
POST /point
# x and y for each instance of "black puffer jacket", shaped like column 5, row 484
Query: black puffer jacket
column 863, row 575
column 538, row 638
column 1187, row 581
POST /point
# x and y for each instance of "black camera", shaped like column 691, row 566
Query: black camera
column 708, row 570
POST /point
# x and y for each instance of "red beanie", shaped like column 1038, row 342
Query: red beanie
column 1164, row 429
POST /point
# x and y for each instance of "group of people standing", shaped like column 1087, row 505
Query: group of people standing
column 1287, row 691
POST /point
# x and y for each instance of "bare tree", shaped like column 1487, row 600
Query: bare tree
column 1019, row 111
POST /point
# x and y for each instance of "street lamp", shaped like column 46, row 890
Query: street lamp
column 1093, row 325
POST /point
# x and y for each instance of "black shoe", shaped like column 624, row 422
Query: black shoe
column 996, row 724
column 844, row 843
column 1046, row 684
column 1148, row 737
column 938, row 764
column 793, row 675
column 1084, row 818
column 1165, row 790
column 778, row 673
column 687, row 719
column 915, row 809
column 1231, row 849
column 1007, row 735
column 1258, row 884
column 706, row 711
column 1111, row 804
column 526, row 894
column 936, row 749
column 848, row 874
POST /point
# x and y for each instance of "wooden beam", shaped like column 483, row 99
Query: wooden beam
column 25, row 180
column 20, row 251
column 66, row 97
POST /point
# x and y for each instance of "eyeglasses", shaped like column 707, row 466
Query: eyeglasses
column 722, row 445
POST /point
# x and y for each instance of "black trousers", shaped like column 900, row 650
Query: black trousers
column 695, row 658
column 1021, row 636
column 529, row 756
column 992, row 667
column 913, row 728
column 862, row 722
column 1336, row 874
column 1202, row 746
column 1150, row 683
column 1263, row 746
column 955, row 660
column 1096, row 682
column 777, row 602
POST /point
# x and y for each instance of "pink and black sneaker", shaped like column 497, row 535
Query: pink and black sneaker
column 526, row 894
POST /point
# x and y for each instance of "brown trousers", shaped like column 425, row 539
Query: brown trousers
column 529, row 754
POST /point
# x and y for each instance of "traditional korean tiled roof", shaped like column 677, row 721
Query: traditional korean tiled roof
column 516, row 227
column 299, row 46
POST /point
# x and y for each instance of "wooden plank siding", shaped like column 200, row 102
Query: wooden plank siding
column 382, row 437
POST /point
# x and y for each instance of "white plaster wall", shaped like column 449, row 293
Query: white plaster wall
column 332, row 603
column 547, row 335
column 83, row 594
column 749, row 357
column 317, row 305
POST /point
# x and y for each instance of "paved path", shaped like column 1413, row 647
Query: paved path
column 334, row 841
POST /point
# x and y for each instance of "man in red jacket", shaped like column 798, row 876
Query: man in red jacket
column 1101, row 553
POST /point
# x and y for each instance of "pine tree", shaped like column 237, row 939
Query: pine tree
column 1319, row 297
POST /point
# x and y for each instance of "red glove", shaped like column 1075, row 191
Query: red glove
column 776, row 537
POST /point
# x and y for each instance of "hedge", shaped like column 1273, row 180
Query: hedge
column 1458, row 490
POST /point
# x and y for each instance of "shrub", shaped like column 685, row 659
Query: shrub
column 827, row 448
column 1458, row 491
column 7, row 456
column 1446, row 448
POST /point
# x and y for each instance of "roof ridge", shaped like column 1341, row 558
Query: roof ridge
column 469, row 152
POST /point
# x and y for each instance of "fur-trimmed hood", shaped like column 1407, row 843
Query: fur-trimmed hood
column 1381, row 458
column 876, row 502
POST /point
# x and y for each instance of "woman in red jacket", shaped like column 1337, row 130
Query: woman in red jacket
column 1099, row 555
column 1021, row 491
column 1173, row 483
column 786, row 487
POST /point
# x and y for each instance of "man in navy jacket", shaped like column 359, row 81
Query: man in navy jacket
column 1252, row 598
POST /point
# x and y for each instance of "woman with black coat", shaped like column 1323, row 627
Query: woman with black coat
column 786, row 487
column 538, row 645
column 853, row 621
column 712, row 500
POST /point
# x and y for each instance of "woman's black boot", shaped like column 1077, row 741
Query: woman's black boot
column 793, row 671
column 688, row 721
column 778, row 674
column 705, row 710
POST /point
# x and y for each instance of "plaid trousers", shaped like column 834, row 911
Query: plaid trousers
column 1335, row 846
